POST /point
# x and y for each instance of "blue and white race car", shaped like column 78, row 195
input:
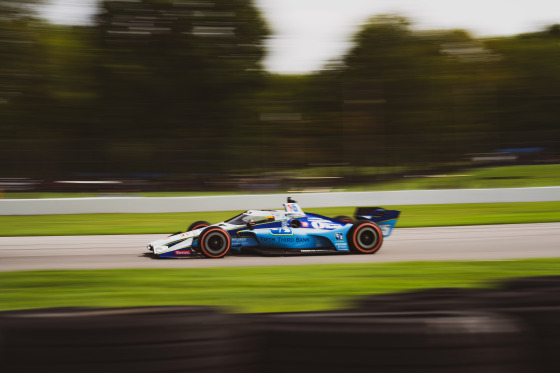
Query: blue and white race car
column 282, row 232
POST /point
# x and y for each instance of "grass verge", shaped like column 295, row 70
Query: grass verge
column 485, row 177
column 252, row 289
column 476, row 177
column 411, row 216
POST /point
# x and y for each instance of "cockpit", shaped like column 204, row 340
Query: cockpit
column 252, row 217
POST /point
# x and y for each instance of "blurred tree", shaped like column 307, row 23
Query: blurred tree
column 174, row 78
column 526, row 102
column 401, row 96
column 178, row 87
column 395, row 92
column 23, row 97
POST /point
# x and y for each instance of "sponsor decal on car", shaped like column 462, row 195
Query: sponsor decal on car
column 184, row 252
column 281, row 231
column 292, row 208
column 386, row 229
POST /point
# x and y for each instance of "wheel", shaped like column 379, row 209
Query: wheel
column 365, row 237
column 214, row 242
column 198, row 225
column 344, row 219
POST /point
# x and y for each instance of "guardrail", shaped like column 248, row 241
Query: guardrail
column 272, row 201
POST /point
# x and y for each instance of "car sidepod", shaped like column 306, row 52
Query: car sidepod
column 287, row 240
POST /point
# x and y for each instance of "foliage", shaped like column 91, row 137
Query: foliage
column 177, row 88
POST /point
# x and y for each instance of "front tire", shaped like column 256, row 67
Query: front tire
column 365, row 237
column 214, row 242
column 198, row 225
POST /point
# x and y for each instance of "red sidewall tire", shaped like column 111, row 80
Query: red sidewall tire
column 365, row 230
column 198, row 225
column 214, row 242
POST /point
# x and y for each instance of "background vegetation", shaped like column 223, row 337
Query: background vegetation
column 176, row 90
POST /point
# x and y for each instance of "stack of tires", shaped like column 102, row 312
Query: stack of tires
column 391, row 342
column 151, row 339
column 534, row 300
column 431, row 299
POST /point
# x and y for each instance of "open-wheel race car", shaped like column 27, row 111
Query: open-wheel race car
column 282, row 232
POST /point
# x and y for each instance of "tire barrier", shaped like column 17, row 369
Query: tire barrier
column 150, row 339
column 512, row 327
column 422, row 300
column 531, row 283
column 534, row 300
column 391, row 342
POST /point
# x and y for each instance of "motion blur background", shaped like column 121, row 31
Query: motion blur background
column 162, row 95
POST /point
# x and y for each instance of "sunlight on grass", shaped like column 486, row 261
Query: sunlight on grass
column 253, row 289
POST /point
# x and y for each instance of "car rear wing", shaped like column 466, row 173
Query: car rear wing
column 376, row 214
column 385, row 219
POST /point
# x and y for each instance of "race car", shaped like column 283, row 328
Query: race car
column 282, row 232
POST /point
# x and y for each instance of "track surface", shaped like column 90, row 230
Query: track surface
column 491, row 242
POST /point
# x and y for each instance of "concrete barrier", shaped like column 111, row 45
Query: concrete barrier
column 272, row 201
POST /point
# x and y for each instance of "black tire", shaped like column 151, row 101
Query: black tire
column 344, row 219
column 198, row 225
column 541, row 283
column 144, row 339
column 391, row 342
column 432, row 299
column 365, row 237
column 214, row 242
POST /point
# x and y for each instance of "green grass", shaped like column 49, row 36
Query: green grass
column 411, row 216
column 485, row 177
column 252, row 289
column 490, row 177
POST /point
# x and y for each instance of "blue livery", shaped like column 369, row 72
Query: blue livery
column 282, row 232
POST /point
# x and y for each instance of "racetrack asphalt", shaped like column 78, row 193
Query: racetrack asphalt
column 491, row 242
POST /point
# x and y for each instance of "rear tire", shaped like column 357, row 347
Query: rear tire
column 365, row 237
column 344, row 219
column 214, row 242
column 198, row 225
